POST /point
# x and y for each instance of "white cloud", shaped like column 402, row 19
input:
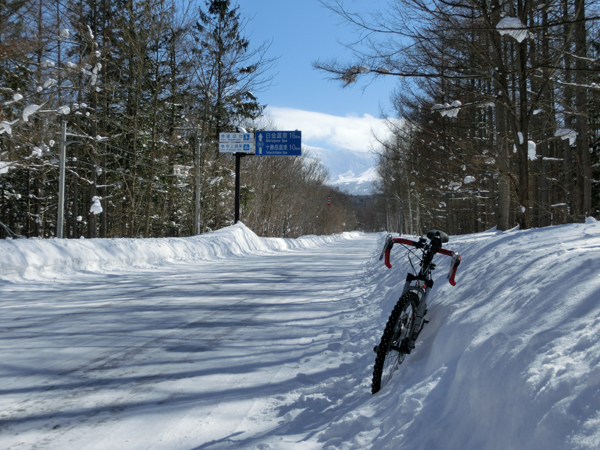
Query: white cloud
column 324, row 130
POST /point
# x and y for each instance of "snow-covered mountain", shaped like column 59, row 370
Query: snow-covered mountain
column 361, row 184
column 351, row 171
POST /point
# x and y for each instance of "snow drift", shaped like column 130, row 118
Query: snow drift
column 31, row 258
column 511, row 358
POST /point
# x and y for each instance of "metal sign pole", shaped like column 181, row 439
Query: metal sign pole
column 238, row 157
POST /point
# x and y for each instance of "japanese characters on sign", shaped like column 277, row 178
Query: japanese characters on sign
column 262, row 143
column 236, row 142
column 236, row 148
column 278, row 143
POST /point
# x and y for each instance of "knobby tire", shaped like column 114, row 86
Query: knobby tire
column 387, row 360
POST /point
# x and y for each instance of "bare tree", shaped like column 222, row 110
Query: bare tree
column 461, row 56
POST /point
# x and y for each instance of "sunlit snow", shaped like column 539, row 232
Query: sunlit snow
column 229, row 340
column 63, row 110
column 448, row 109
column 512, row 27
column 36, row 152
column 96, row 207
column 566, row 133
column 29, row 110
column 6, row 127
column 531, row 150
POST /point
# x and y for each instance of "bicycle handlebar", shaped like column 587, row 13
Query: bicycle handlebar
column 420, row 244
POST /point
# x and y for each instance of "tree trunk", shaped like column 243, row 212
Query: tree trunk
column 581, row 124
column 75, row 193
column 91, row 215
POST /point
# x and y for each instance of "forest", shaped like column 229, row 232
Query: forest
column 133, row 95
column 496, row 115
column 495, row 119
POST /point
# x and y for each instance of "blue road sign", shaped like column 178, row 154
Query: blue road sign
column 278, row 143
column 236, row 147
column 236, row 142
column 237, row 138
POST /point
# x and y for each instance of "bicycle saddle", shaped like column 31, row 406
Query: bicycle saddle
column 437, row 233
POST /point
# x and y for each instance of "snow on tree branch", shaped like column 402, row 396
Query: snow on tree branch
column 447, row 109
column 566, row 133
column 513, row 27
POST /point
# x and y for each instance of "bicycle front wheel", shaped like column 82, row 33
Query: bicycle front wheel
column 393, row 347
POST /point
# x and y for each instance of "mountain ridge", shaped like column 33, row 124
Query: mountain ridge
column 351, row 171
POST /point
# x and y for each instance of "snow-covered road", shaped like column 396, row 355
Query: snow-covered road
column 231, row 341
column 194, row 355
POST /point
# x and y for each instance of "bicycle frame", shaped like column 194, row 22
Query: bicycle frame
column 421, row 285
column 422, row 291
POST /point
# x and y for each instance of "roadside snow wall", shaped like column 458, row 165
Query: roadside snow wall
column 510, row 359
column 32, row 258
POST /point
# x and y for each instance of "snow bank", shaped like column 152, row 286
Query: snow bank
column 33, row 258
column 511, row 358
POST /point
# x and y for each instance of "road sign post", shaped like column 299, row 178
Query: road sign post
column 240, row 144
column 238, row 157
column 261, row 143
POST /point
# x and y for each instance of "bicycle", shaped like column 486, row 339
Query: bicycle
column 408, row 316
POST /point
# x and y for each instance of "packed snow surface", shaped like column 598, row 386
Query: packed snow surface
column 228, row 341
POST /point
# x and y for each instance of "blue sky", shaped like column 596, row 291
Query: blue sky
column 301, row 97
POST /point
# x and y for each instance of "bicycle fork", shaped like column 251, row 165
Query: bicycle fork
column 422, row 290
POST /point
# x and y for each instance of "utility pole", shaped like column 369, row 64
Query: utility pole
column 197, row 218
column 61, row 180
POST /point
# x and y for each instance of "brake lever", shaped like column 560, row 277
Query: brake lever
column 454, row 263
column 389, row 243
